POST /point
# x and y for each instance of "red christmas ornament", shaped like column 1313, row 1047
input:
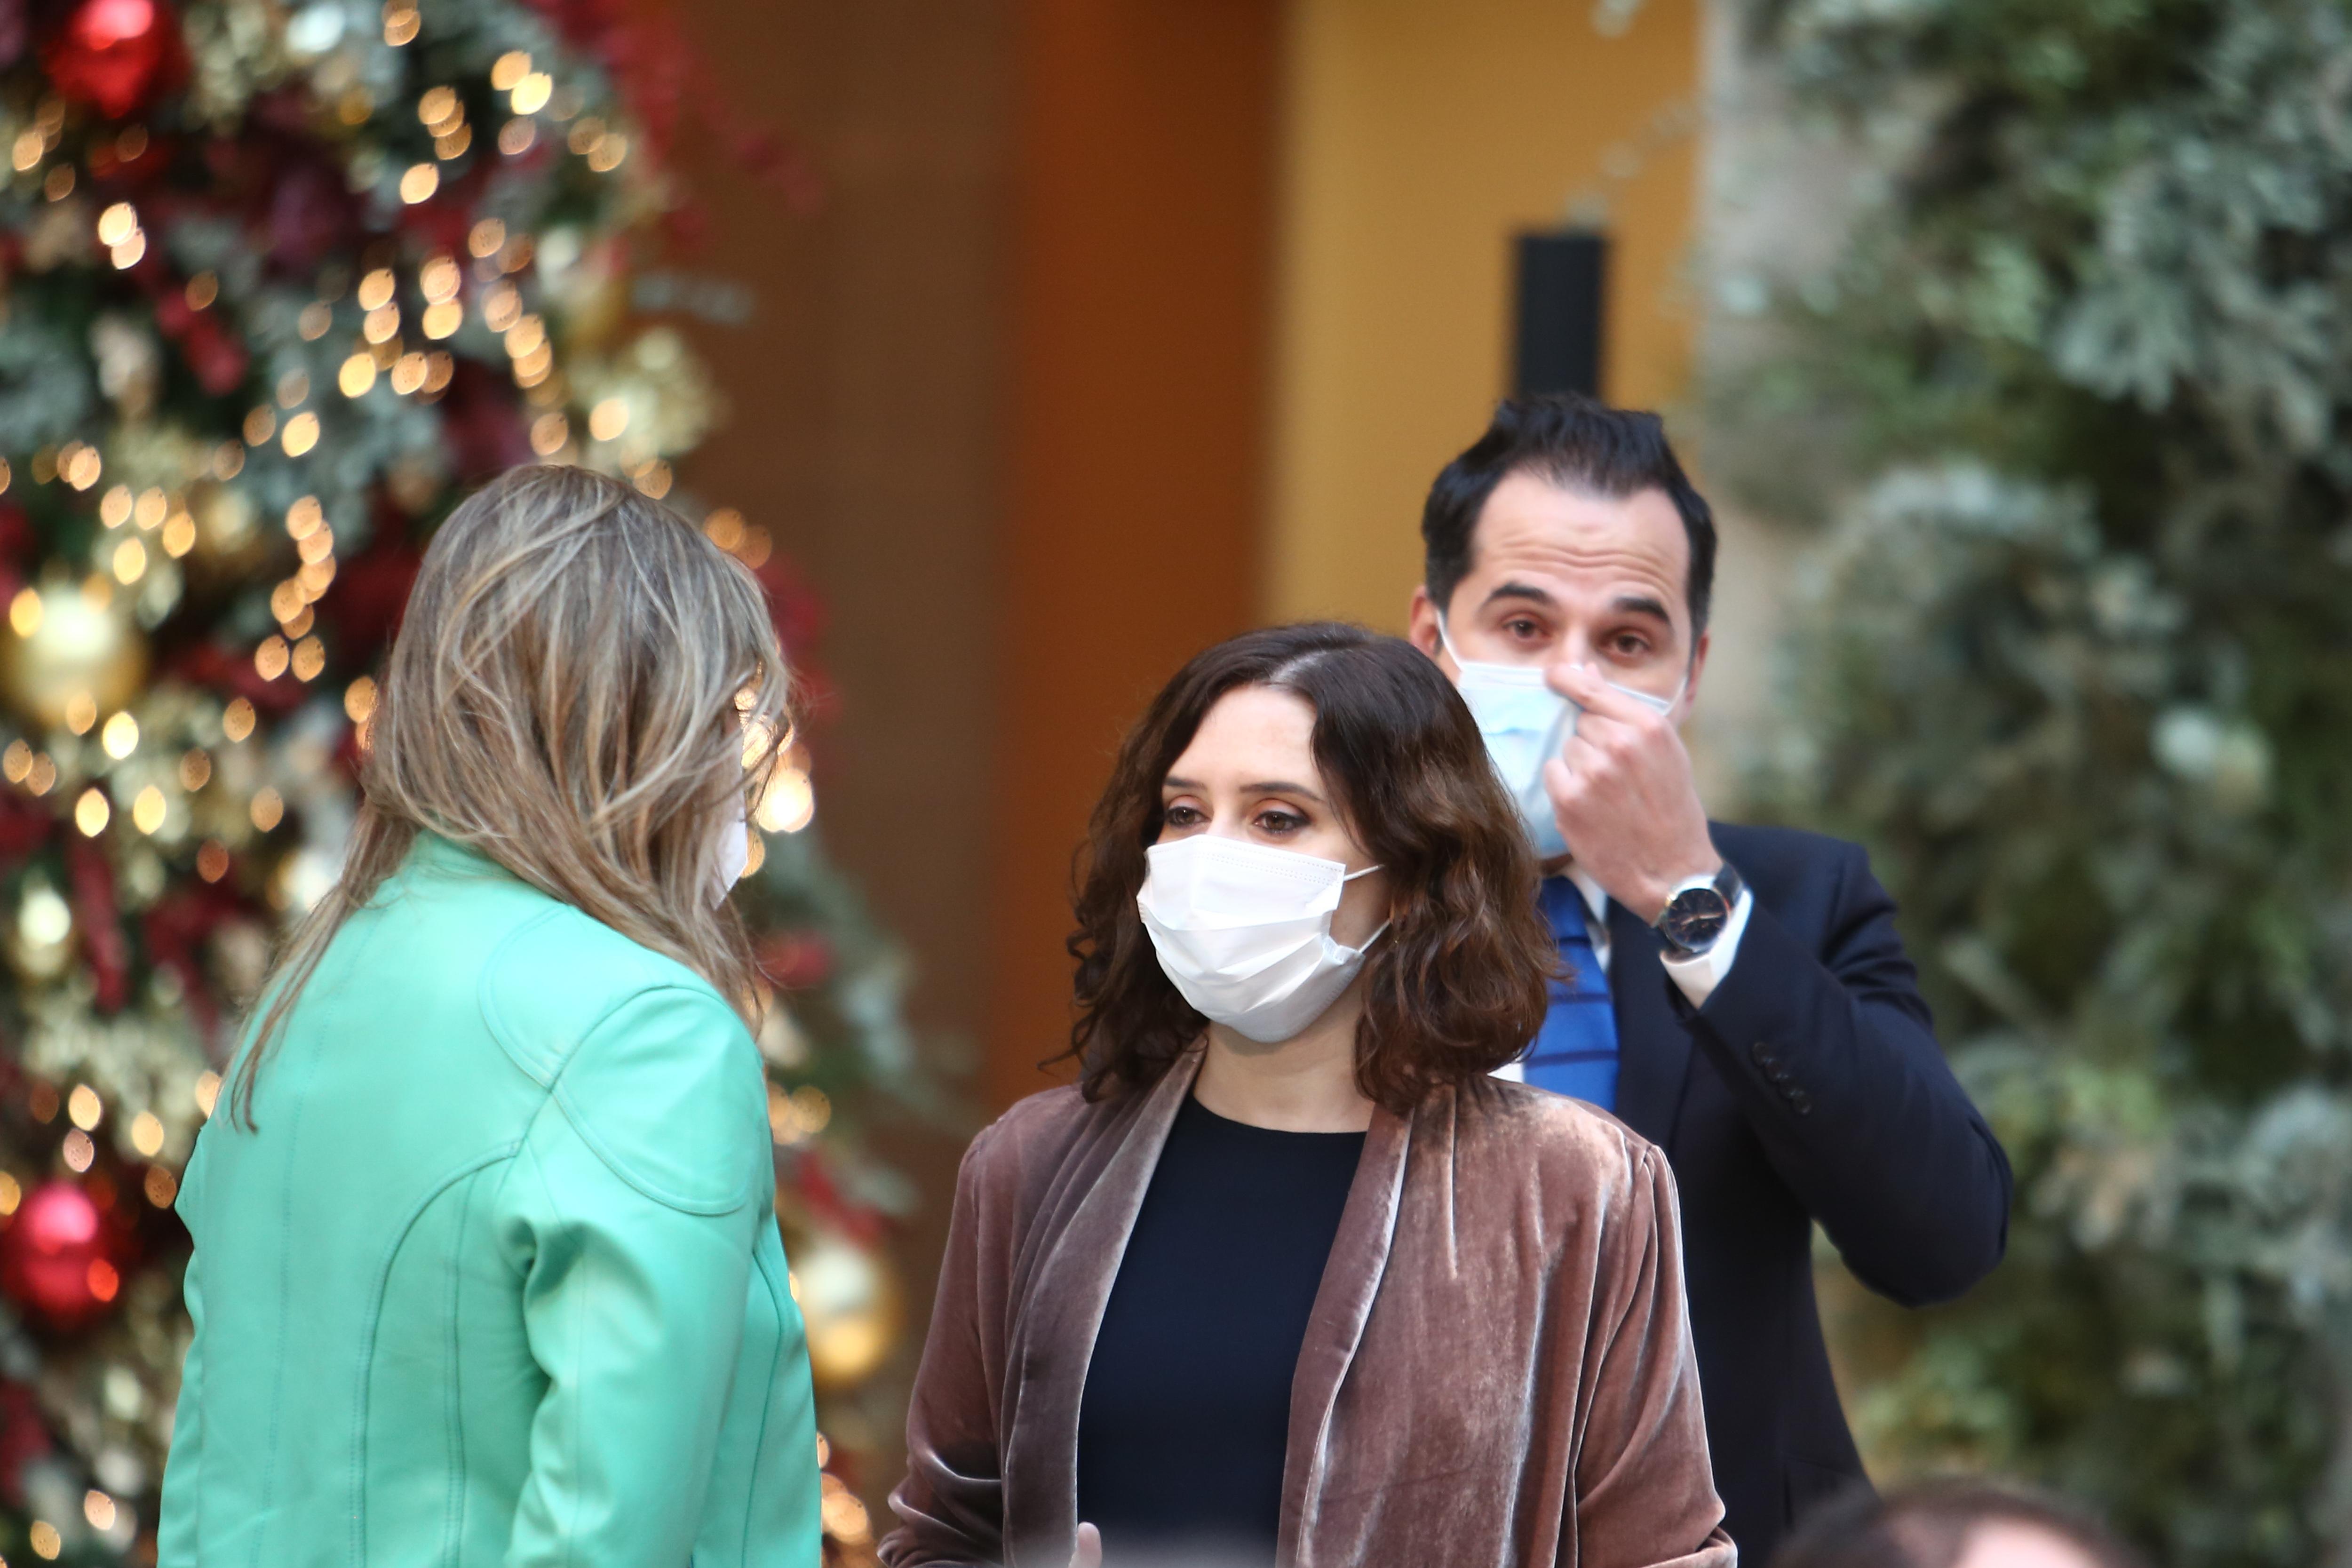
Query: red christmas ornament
column 105, row 948
column 115, row 55
column 57, row 1257
column 796, row 960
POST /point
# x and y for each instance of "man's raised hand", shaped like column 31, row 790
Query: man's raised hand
column 1624, row 796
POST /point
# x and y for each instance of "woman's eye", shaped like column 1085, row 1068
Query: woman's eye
column 1280, row 822
column 1180, row 817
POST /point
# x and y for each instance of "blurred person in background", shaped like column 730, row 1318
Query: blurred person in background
column 1952, row 1524
column 486, row 1269
column 1737, row 996
column 1289, row 1277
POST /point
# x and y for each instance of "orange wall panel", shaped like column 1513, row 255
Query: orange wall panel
column 1417, row 140
column 1144, row 158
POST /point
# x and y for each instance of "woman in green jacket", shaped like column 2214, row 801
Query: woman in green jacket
column 486, row 1269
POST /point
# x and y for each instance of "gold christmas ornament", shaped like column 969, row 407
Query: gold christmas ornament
column 853, row 1306
column 229, row 540
column 39, row 939
column 589, row 280
column 652, row 399
column 67, row 652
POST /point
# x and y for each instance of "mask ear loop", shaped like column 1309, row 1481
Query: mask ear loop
column 1527, row 675
column 1447, row 642
column 1366, row 944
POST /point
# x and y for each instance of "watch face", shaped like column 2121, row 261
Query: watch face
column 1696, row 919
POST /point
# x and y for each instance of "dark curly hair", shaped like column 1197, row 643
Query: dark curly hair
column 1457, row 986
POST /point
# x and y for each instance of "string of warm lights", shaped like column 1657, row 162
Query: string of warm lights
column 164, row 521
column 278, row 354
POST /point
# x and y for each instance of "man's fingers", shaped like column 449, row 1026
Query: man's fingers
column 1562, row 783
column 1596, row 756
column 1583, row 685
column 1089, row 1552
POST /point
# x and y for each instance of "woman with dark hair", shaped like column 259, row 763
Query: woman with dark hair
column 1286, row 1278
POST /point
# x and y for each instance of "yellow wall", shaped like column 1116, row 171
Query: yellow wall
column 1420, row 136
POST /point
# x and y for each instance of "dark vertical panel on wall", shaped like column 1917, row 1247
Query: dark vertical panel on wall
column 865, row 432
column 1559, row 309
column 1144, row 159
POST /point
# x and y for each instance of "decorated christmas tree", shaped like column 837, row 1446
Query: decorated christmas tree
column 281, row 283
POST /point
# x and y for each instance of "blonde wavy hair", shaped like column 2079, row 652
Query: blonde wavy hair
column 583, row 689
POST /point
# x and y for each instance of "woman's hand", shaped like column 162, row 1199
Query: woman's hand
column 1088, row 1554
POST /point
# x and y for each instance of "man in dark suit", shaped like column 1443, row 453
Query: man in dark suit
column 1737, row 996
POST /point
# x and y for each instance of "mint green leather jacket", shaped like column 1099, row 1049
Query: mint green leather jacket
column 496, row 1279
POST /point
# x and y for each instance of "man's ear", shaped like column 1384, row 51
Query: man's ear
column 1421, row 623
column 1697, row 668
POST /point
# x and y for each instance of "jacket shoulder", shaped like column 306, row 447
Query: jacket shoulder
column 556, row 975
column 1566, row 1145
column 1044, row 1123
column 1778, row 861
column 649, row 1065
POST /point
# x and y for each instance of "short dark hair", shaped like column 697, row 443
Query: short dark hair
column 1458, row 984
column 1928, row 1525
column 1576, row 442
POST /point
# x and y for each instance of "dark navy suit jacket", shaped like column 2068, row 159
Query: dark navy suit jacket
column 1810, row 1088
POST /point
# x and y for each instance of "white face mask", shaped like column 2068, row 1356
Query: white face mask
column 730, row 855
column 1244, row 931
column 1526, row 724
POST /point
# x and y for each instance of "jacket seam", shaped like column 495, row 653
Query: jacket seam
column 188, row 1361
column 454, row 1507
column 374, row 1313
column 486, row 1000
column 767, row 1401
column 565, row 1102
column 278, row 1374
column 568, row 1527
column 366, row 941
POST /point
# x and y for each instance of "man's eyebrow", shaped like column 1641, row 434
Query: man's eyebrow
column 1643, row 605
column 1526, row 590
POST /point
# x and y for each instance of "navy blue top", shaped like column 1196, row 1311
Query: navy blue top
column 1187, row 1408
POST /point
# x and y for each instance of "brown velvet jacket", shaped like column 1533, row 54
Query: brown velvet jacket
column 1498, row 1372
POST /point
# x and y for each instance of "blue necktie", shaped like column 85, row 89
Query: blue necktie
column 1575, row 1052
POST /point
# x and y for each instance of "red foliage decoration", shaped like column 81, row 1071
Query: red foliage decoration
column 116, row 56
column 24, row 1437
column 105, row 949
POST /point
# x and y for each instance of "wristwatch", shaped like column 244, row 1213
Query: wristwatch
column 1697, row 911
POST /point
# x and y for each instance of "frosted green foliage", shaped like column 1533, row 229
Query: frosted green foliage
column 2078, row 665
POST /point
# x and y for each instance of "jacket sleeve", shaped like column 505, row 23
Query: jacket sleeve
column 1835, row 1064
column 175, row 1528
column 1644, row 1491
column 630, row 1212
column 951, row 1504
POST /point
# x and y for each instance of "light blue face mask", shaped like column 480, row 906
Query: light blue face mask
column 1526, row 723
